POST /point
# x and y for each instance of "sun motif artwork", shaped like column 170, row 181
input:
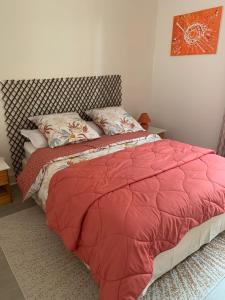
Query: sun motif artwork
column 197, row 32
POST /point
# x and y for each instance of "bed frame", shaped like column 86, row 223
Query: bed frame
column 26, row 98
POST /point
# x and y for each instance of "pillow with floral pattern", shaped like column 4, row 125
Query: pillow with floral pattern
column 63, row 129
column 114, row 120
column 34, row 119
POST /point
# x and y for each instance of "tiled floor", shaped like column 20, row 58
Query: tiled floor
column 218, row 293
column 16, row 205
column 9, row 289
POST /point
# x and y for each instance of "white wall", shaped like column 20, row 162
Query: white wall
column 55, row 38
column 188, row 91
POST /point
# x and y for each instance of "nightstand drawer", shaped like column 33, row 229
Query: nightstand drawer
column 5, row 198
column 4, row 178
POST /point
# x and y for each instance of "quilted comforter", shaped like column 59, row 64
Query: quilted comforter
column 119, row 211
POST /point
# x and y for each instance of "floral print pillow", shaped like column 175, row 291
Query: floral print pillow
column 62, row 129
column 114, row 120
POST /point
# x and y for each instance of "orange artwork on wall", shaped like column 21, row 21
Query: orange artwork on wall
column 197, row 32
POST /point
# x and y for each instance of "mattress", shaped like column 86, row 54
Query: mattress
column 29, row 149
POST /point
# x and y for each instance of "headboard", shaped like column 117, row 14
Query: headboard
column 25, row 98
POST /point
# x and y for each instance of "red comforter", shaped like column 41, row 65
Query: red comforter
column 119, row 211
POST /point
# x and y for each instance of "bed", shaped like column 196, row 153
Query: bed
column 190, row 243
column 122, row 176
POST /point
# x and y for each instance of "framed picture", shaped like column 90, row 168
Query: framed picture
column 197, row 32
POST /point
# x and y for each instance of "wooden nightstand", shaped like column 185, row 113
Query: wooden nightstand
column 5, row 192
column 160, row 131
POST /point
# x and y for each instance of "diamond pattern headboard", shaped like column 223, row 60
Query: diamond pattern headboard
column 25, row 98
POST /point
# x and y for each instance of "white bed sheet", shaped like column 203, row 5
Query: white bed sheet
column 29, row 149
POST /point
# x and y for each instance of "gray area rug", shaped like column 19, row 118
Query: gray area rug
column 45, row 270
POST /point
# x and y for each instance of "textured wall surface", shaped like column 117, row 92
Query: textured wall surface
column 188, row 91
column 71, row 38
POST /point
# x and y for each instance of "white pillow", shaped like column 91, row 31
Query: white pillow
column 95, row 127
column 36, row 137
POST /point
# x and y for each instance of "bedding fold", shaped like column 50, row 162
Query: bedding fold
column 44, row 156
column 119, row 211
